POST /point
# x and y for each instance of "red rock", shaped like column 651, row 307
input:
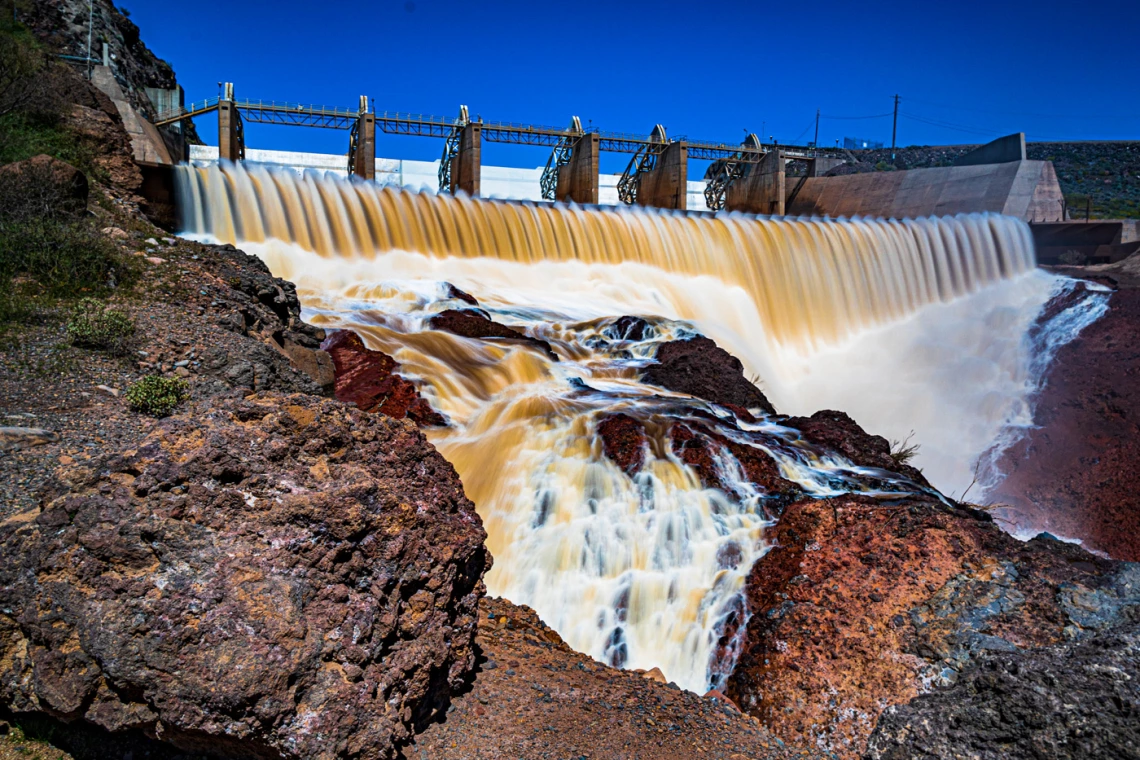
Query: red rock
column 699, row 367
column 473, row 324
column 714, row 694
column 271, row 576
column 860, row 605
column 698, row 446
column 838, row 432
column 454, row 292
column 624, row 441
column 1077, row 472
column 368, row 379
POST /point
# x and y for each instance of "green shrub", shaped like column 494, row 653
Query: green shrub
column 94, row 325
column 66, row 258
column 156, row 395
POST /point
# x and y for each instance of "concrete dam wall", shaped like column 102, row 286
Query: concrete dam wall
column 496, row 181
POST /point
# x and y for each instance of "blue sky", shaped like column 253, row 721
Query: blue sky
column 966, row 71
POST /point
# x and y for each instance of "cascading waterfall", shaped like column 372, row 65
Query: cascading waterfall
column 916, row 324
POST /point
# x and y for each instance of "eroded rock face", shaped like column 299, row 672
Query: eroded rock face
column 624, row 441
column 1068, row 702
column 838, row 432
column 1077, row 471
column 471, row 323
column 272, row 577
column 534, row 697
column 701, row 368
column 699, row 446
column 368, row 379
column 861, row 605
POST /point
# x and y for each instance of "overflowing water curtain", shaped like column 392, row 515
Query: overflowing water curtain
column 908, row 325
column 813, row 280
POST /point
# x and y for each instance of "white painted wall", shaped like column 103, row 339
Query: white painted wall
column 496, row 181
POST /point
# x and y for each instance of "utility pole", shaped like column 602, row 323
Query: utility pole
column 815, row 142
column 895, row 128
column 90, row 30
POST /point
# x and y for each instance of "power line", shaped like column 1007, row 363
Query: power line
column 951, row 126
column 1023, row 113
column 854, row 118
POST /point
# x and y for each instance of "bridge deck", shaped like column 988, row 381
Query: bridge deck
column 399, row 123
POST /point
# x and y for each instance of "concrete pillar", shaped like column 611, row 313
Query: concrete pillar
column 762, row 188
column 229, row 139
column 578, row 180
column 466, row 167
column 667, row 186
column 364, row 162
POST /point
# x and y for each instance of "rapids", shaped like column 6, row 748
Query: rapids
column 917, row 325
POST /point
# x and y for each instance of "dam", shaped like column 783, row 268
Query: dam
column 926, row 320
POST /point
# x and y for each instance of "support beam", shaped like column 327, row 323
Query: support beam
column 666, row 185
column 364, row 143
column 466, row 165
column 578, row 180
column 231, row 142
column 761, row 189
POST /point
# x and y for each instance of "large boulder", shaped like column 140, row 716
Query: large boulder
column 272, row 577
column 474, row 323
column 1069, row 702
column 701, row 368
column 369, row 379
column 862, row 604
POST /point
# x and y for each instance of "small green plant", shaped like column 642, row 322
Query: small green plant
column 95, row 325
column 903, row 451
column 156, row 395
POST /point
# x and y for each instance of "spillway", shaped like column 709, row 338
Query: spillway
column 917, row 325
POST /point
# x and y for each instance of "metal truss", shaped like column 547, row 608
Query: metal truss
column 562, row 155
column 643, row 162
column 239, row 134
column 353, row 140
column 723, row 172
column 424, row 125
column 451, row 149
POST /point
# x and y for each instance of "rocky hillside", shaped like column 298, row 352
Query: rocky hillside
column 1106, row 172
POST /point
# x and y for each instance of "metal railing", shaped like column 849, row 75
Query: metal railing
column 427, row 125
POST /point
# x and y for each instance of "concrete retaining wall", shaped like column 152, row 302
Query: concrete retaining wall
column 1025, row 189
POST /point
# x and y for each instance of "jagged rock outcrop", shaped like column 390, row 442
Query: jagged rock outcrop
column 862, row 604
column 271, row 577
column 534, row 697
column 701, row 368
column 700, row 447
column 473, row 323
column 267, row 308
column 624, row 441
column 369, row 379
column 838, row 432
column 1068, row 702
